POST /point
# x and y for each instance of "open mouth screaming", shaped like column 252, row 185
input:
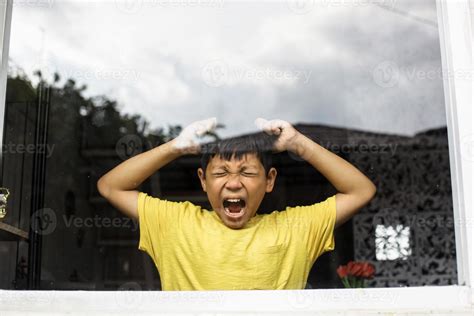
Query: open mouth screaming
column 234, row 207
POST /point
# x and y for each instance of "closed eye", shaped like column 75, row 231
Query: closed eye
column 249, row 174
column 219, row 174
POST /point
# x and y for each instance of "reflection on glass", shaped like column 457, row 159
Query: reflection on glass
column 4, row 193
column 362, row 79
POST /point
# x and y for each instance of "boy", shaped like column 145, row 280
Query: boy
column 231, row 247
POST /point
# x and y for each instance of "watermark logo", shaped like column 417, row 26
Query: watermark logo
column 129, row 146
column 300, row 6
column 386, row 74
column 215, row 73
column 44, row 221
column 129, row 6
column 300, row 299
column 129, row 300
column 386, row 216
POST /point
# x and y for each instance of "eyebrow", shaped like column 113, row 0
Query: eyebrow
column 241, row 166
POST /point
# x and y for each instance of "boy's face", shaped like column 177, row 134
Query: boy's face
column 236, row 188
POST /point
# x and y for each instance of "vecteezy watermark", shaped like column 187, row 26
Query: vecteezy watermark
column 357, row 3
column 134, row 6
column 105, row 74
column 430, row 220
column 129, row 6
column 303, row 299
column 361, row 148
column 351, row 148
column 98, row 73
column 217, row 73
column 11, row 148
column 194, row 297
column 17, row 300
column 307, row 6
column 300, row 6
column 359, row 296
column 129, row 300
column 45, row 221
column 129, row 146
column 388, row 74
column 100, row 222
column 34, row 3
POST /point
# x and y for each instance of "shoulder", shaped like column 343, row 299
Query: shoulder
column 146, row 198
column 325, row 208
column 166, row 208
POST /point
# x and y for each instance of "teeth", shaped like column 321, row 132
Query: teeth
column 233, row 200
column 228, row 211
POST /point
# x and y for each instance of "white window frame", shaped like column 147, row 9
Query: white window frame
column 455, row 19
column 5, row 24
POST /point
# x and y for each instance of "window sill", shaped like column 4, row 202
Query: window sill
column 421, row 300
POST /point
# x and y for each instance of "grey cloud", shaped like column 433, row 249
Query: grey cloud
column 340, row 91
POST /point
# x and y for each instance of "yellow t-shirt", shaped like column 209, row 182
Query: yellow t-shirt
column 193, row 250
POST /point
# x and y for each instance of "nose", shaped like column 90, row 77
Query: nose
column 233, row 182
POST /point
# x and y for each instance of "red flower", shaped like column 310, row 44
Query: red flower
column 354, row 274
column 356, row 269
column 342, row 271
column 368, row 270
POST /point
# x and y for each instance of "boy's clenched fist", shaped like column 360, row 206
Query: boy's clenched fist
column 287, row 134
column 188, row 141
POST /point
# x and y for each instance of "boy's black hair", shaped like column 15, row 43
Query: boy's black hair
column 260, row 144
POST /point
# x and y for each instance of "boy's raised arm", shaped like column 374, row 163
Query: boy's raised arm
column 354, row 189
column 119, row 185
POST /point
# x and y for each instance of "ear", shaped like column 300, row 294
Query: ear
column 271, row 176
column 202, row 178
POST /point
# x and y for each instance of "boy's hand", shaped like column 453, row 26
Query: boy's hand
column 287, row 134
column 188, row 141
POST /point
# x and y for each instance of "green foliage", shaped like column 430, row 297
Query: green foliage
column 97, row 120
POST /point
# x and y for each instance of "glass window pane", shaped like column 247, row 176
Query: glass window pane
column 93, row 84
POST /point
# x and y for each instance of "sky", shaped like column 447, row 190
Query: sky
column 370, row 65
